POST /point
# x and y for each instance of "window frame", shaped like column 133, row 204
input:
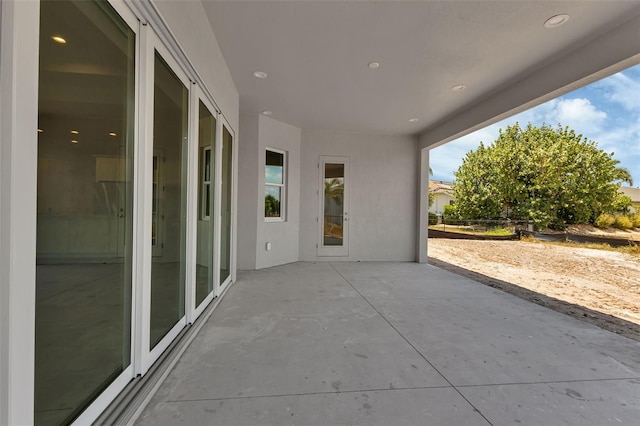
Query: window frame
column 282, row 186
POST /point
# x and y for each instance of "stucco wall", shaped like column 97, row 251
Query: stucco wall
column 189, row 24
column 258, row 134
column 283, row 236
column 248, row 168
column 383, row 194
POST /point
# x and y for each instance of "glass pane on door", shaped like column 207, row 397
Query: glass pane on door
column 84, row 212
column 225, row 225
column 170, row 139
column 333, row 230
column 204, row 254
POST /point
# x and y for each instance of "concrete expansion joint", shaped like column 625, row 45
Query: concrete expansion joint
column 412, row 345
column 285, row 395
column 549, row 382
column 297, row 343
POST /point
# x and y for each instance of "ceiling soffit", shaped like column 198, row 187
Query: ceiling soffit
column 316, row 56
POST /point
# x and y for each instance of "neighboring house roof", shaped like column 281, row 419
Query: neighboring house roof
column 441, row 187
column 633, row 193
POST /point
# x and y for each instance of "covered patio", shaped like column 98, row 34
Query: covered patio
column 391, row 343
column 151, row 149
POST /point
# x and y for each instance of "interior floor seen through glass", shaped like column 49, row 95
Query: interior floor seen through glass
column 84, row 206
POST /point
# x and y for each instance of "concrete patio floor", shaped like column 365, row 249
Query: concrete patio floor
column 394, row 344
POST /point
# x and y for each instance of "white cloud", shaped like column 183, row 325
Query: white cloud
column 579, row 112
column 622, row 89
column 599, row 118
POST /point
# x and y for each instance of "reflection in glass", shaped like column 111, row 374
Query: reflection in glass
column 333, row 204
column 155, row 195
column 274, row 167
column 272, row 201
column 84, row 214
column 170, row 143
column 204, row 254
column 274, row 183
column 205, row 181
column 225, row 234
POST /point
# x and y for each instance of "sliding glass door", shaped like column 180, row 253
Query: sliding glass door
column 226, row 205
column 134, row 204
column 206, row 193
column 85, row 206
column 170, row 140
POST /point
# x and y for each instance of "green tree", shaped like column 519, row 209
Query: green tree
column 552, row 176
column 624, row 175
column 334, row 188
column 271, row 206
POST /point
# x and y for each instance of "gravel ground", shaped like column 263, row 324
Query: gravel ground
column 597, row 286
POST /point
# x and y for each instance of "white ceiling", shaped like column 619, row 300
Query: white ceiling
column 316, row 54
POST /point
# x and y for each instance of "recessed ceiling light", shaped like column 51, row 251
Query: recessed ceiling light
column 74, row 141
column 260, row 74
column 74, row 132
column 40, row 130
column 267, row 112
column 556, row 21
column 112, row 134
column 59, row 39
column 458, row 87
column 374, row 65
column 414, row 120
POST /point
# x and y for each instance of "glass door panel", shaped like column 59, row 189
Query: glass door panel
column 170, row 129
column 156, row 238
column 84, row 213
column 334, row 228
column 225, row 217
column 204, row 249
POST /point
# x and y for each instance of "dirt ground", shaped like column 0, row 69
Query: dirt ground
column 597, row 286
column 631, row 234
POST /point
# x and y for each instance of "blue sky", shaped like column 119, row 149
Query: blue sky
column 607, row 112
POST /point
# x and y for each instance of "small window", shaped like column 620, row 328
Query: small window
column 274, row 185
column 205, row 184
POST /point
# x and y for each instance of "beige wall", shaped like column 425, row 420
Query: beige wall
column 258, row 134
column 383, row 202
column 191, row 27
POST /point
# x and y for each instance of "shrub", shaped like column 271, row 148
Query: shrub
column 604, row 221
column 621, row 203
column 636, row 220
column 449, row 212
column 623, row 222
column 433, row 219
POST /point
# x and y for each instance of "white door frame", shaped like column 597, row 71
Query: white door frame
column 222, row 286
column 326, row 250
column 193, row 311
column 145, row 355
column 103, row 400
column 19, row 49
